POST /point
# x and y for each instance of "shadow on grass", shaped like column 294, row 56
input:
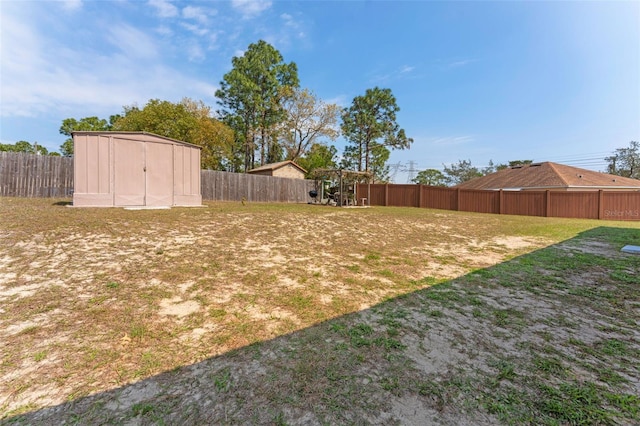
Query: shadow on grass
column 359, row 368
column 63, row 203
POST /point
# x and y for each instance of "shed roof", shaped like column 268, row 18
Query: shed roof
column 275, row 166
column 549, row 175
column 148, row 134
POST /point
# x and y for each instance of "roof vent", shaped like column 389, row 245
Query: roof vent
column 614, row 180
column 535, row 164
column 580, row 176
column 516, row 167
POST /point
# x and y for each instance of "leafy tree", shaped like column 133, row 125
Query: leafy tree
column 24, row 146
column 371, row 121
column 431, row 177
column 625, row 161
column 84, row 124
column 319, row 156
column 378, row 164
column 513, row 163
column 307, row 120
column 378, row 156
column 461, row 172
column 251, row 97
column 188, row 121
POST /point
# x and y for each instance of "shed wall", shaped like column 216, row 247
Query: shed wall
column 130, row 169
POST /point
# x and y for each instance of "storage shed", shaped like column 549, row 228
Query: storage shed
column 134, row 169
column 286, row 169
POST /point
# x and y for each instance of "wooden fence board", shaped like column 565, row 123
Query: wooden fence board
column 620, row 206
column 224, row 186
column 29, row 175
column 479, row 201
column 573, row 204
column 611, row 205
column 524, row 203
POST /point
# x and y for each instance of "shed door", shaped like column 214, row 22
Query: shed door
column 159, row 179
column 129, row 173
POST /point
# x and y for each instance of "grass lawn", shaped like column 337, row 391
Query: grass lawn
column 300, row 314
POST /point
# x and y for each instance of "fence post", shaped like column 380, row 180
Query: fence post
column 501, row 202
column 547, row 202
column 457, row 199
column 419, row 195
column 386, row 194
column 600, row 204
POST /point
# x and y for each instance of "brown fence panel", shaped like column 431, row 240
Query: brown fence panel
column 621, row 205
column 435, row 197
column 31, row 175
column 527, row 203
column 375, row 193
column 479, row 201
column 405, row 195
column 581, row 204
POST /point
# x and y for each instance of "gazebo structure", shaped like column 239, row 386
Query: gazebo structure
column 338, row 187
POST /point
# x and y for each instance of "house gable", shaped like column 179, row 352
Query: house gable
column 287, row 169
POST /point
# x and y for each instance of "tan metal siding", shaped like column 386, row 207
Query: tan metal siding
column 159, row 174
column 129, row 174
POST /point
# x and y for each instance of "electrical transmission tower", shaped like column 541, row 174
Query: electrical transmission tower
column 394, row 171
column 411, row 171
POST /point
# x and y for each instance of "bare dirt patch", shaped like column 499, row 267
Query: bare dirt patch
column 219, row 310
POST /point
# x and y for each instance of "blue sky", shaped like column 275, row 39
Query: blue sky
column 546, row 81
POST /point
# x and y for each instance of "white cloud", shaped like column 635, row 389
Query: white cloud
column 196, row 29
column 72, row 5
column 251, row 8
column 195, row 52
column 288, row 20
column 340, row 100
column 133, row 42
column 164, row 8
column 47, row 77
column 459, row 63
column 164, row 30
column 198, row 14
column 100, row 87
column 451, row 140
column 401, row 73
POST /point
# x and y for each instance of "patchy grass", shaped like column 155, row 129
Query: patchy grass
column 281, row 314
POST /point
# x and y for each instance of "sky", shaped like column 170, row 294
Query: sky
column 480, row 81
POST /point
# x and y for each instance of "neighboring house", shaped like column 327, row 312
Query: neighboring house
column 550, row 176
column 286, row 169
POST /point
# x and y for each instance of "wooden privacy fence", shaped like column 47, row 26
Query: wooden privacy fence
column 225, row 186
column 614, row 205
column 30, row 175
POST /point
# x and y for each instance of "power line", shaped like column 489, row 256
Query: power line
column 394, row 171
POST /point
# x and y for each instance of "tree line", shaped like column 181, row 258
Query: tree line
column 461, row 171
column 264, row 116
